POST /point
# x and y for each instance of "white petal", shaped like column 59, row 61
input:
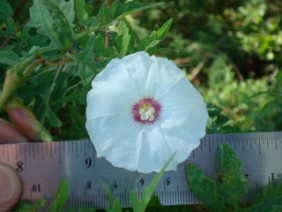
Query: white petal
column 183, row 92
column 153, row 150
column 168, row 75
column 101, row 104
column 138, row 149
column 138, row 66
column 181, row 112
column 104, row 131
column 182, row 145
column 115, row 81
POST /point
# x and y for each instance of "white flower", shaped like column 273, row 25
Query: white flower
column 141, row 110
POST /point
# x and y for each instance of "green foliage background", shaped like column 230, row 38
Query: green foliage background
column 231, row 50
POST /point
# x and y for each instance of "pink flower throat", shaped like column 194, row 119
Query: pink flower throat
column 146, row 110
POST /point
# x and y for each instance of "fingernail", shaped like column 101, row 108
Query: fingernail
column 26, row 122
column 10, row 188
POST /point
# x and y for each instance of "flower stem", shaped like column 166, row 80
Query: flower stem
column 32, row 66
column 12, row 80
column 14, row 77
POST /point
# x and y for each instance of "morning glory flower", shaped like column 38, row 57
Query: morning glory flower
column 141, row 110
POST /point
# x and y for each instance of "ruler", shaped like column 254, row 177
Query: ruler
column 42, row 165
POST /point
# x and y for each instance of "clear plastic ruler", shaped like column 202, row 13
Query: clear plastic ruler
column 42, row 165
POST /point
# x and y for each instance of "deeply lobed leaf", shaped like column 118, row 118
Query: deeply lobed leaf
column 204, row 189
column 43, row 21
column 234, row 183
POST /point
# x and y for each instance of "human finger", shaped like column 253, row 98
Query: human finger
column 10, row 188
column 9, row 134
column 26, row 122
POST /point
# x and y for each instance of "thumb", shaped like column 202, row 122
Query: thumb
column 10, row 188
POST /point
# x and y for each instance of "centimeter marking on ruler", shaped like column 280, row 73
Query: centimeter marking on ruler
column 42, row 165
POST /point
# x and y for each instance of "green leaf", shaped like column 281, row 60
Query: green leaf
column 156, row 36
column 277, row 208
column 140, row 205
column 87, row 51
column 121, row 10
column 24, row 207
column 162, row 32
column 6, row 13
column 127, row 39
column 8, row 57
column 43, row 21
column 52, row 118
column 277, row 90
column 100, row 48
column 80, row 10
column 108, row 14
column 123, row 38
column 154, row 202
column 269, row 200
column 234, row 183
column 59, row 202
column 114, row 205
column 77, row 129
column 105, row 15
column 63, row 15
column 61, row 197
column 86, row 67
column 218, row 122
column 204, row 189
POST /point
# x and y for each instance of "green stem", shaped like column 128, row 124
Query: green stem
column 10, row 85
column 31, row 67
column 14, row 77
column 52, row 87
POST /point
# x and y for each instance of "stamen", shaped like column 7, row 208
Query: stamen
column 147, row 113
column 146, row 110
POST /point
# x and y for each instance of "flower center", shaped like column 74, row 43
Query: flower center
column 146, row 110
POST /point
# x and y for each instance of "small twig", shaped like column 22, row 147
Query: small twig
column 32, row 66
column 238, row 72
column 236, row 69
column 108, row 4
column 18, row 9
column 13, row 34
column 197, row 70
column 107, row 37
column 59, row 63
